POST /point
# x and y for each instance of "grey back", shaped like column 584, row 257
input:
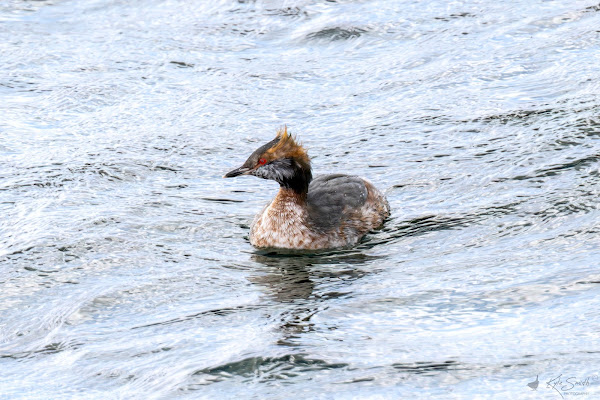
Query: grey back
column 332, row 198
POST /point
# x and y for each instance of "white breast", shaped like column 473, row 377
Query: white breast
column 281, row 224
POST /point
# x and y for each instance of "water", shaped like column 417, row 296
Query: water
column 126, row 271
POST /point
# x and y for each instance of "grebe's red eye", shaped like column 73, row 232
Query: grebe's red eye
column 262, row 161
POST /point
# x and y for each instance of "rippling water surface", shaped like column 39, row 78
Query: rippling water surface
column 125, row 268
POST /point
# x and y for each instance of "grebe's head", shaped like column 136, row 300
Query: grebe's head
column 282, row 160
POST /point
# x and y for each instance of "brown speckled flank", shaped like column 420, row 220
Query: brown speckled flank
column 327, row 212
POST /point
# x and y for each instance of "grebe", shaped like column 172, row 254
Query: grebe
column 308, row 214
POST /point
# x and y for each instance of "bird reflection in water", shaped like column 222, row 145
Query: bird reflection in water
column 308, row 282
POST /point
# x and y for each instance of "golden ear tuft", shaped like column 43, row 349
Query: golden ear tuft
column 287, row 146
column 282, row 132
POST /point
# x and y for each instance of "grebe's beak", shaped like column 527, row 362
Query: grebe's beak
column 237, row 172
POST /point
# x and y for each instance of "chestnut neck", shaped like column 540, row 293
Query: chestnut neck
column 286, row 195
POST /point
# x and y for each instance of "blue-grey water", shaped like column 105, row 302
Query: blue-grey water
column 125, row 266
